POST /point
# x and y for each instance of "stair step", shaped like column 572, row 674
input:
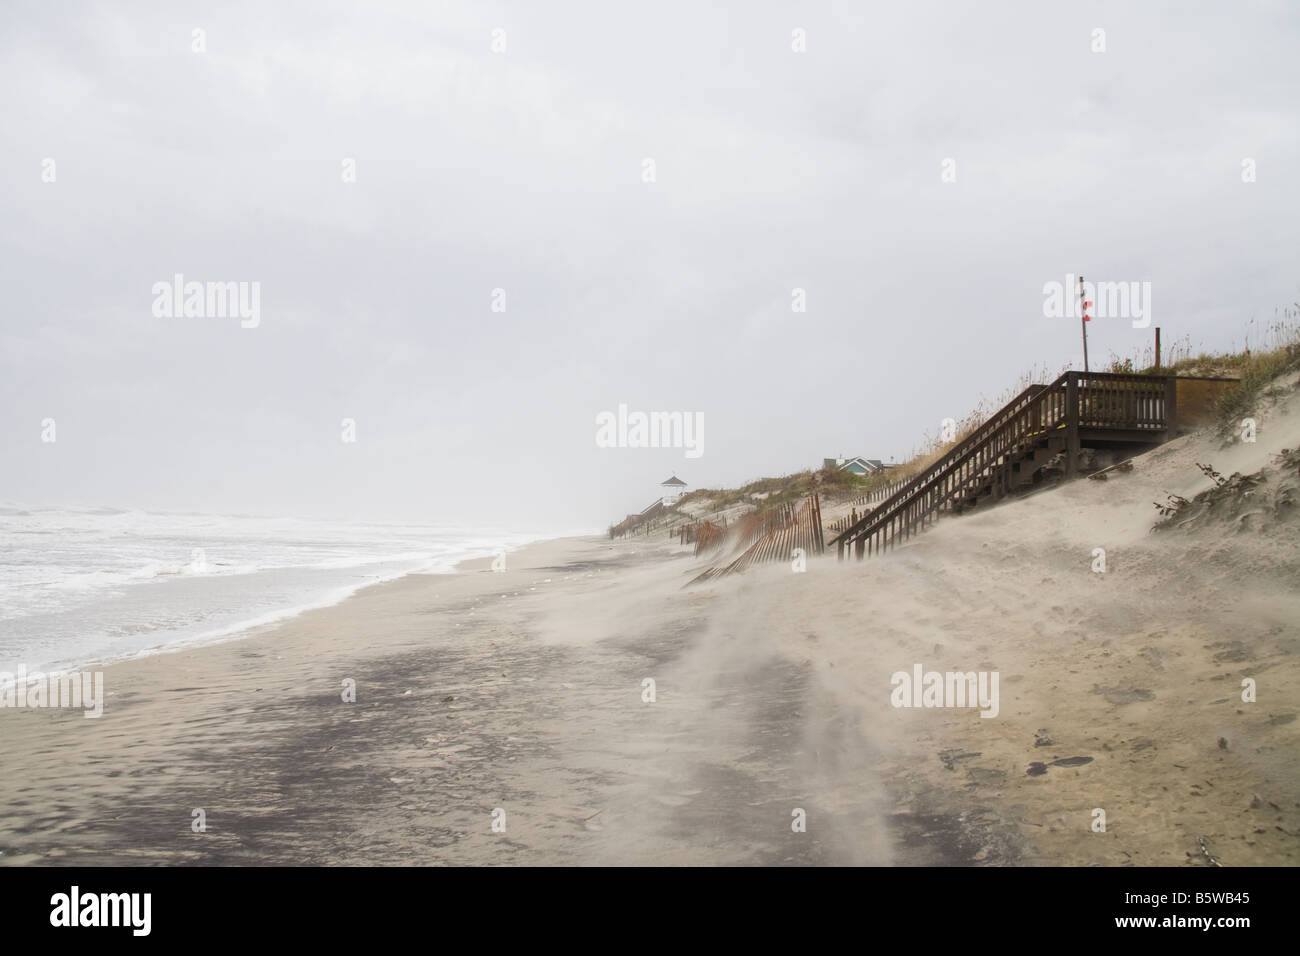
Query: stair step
column 1036, row 437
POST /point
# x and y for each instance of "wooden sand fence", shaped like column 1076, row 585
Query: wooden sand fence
column 866, row 502
column 773, row 537
column 652, row 517
column 878, row 495
column 705, row 535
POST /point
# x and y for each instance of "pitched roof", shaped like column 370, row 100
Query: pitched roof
column 674, row 480
column 870, row 464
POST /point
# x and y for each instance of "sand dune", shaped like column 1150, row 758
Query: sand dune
column 523, row 691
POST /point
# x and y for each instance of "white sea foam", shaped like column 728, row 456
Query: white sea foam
column 97, row 585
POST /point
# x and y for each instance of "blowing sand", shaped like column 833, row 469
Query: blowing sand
column 522, row 692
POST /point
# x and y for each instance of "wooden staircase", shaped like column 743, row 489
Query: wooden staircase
column 1012, row 450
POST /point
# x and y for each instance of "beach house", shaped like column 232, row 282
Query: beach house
column 673, row 489
column 855, row 465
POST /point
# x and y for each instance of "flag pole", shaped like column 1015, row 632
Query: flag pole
column 1083, row 322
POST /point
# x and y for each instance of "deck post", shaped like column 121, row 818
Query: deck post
column 1171, row 407
column 1072, row 447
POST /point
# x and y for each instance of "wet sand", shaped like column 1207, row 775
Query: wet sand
column 519, row 690
column 522, row 691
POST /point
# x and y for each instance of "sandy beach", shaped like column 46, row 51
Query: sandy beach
column 523, row 691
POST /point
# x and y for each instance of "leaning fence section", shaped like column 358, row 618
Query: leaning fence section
column 774, row 536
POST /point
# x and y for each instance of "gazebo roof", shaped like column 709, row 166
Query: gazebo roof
column 674, row 481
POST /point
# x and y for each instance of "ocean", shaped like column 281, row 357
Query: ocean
column 100, row 585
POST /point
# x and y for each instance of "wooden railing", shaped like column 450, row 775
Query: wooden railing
column 645, row 522
column 1111, row 400
column 951, row 468
column 1075, row 401
column 872, row 497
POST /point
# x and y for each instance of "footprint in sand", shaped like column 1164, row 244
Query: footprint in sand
column 1123, row 695
column 1037, row 768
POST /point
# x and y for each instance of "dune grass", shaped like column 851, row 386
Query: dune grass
column 1268, row 351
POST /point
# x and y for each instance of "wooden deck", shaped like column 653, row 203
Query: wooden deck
column 1010, row 451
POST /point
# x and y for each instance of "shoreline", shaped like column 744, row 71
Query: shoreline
column 140, row 694
column 525, row 693
column 267, row 620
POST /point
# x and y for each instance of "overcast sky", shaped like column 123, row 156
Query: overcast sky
column 523, row 170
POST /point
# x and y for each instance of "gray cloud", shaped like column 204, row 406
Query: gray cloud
column 521, row 171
